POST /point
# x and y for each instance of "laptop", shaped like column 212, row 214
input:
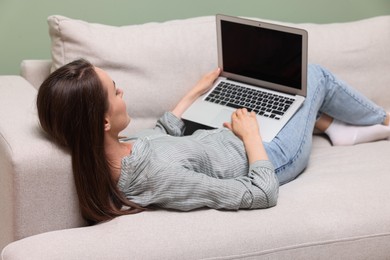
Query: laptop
column 263, row 68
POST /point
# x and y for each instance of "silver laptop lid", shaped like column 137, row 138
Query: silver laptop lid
column 263, row 54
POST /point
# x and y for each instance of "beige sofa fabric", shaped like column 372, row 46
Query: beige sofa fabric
column 35, row 71
column 37, row 190
column 338, row 208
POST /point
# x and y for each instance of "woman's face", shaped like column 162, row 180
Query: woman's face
column 116, row 118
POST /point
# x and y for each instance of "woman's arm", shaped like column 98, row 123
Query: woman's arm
column 203, row 85
column 184, row 189
column 244, row 125
column 171, row 123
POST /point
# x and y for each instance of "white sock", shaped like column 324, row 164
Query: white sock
column 343, row 134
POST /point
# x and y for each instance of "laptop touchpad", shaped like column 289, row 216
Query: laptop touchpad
column 224, row 116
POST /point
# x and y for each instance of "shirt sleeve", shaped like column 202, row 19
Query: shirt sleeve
column 186, row 190
column 170, row 124
column 167, row 124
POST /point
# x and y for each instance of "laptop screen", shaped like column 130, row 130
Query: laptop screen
column 263, row 54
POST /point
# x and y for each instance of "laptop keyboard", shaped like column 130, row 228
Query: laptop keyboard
column 262, row 103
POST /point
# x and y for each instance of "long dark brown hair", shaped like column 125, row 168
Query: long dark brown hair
column 72, row 104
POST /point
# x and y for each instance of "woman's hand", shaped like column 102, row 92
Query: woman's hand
column 244, row 125
column 205, row 83
column 201, row 87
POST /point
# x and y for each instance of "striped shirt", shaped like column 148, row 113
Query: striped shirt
column 206, row 169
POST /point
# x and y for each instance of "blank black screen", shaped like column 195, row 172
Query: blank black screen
column 261, row 53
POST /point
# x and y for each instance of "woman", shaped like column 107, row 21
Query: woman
column 80, row 107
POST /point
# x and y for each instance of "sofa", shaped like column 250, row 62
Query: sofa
column 338, row 208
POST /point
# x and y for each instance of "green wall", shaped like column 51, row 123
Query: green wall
column 23, row 28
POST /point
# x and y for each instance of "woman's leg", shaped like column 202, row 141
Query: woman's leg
column 341, row 133
column 324, row 121
column 290, row 149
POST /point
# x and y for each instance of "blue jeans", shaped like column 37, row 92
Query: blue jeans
column 289, row 151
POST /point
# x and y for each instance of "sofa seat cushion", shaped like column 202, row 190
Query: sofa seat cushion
column 334, row 210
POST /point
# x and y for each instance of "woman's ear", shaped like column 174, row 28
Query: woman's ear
column 107, row 125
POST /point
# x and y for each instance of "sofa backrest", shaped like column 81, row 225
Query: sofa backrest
column 35, row 71
column 156, row 63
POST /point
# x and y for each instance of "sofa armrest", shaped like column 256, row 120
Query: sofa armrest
column 37, row 192
column 35, row 71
